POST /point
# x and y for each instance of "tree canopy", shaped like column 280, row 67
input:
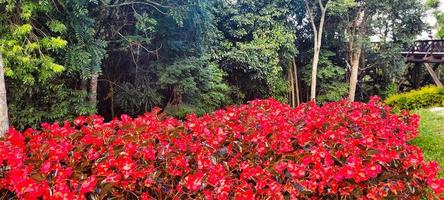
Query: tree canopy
column 64, row 58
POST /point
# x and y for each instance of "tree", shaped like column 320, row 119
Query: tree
column 168, row 61
column 32, row 43
column 256, row 45
column 87, row 48
column 101, row 29
column 440, row 19
column 312, row 7
column 354, row 34
column 331, row 78
column 295, row 97
column 377, row 25
column 4, row 121
column 64, row 58
column 435, row 6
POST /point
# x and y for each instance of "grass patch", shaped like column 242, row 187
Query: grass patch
column 431, row 137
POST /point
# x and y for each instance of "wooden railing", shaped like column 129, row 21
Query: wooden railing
column 428, row 51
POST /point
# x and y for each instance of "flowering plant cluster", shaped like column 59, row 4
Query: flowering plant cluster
column 261, row 150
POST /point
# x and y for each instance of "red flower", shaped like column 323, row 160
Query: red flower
column 264, row 149
column 193, row 182
column 88, row 185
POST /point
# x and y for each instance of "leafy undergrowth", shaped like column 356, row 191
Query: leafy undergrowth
column 431, row 137
column 262, row 150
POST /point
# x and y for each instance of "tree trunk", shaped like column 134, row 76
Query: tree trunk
column 317, row 40
column 296, row 80
column 355, row 58
column 84, row 85
column 111, row 90
column 314, row 72
column 292, row 92
column 354, row 48
column 4, row 121
column 93, row 91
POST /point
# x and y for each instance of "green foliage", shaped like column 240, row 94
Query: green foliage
column 138, row 97
column 192, row 82
column 145, row 23
column 385, row 69
column 182, row 110
column 388, row 28
column 432, row 3
column 257, row 44
column 57, row 26
column 425, row 97
column 34, row 42
column 28, row 57
column 52, row 102
column 331, row 78
column 184, row 79
column 391, row 90
column 339, row 6
column 213, row 89
column 86, row 50
column 187, row 56
column 440, row 21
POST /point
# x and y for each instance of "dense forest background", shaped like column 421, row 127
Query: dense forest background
column 64, row 58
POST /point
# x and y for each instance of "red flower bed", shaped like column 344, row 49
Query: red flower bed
column 262, row 150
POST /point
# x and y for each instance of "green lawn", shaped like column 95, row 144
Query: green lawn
column 431, row 137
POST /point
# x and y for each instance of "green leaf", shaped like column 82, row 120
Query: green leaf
column 57, row 26
column 57, row 68
column 22, row 30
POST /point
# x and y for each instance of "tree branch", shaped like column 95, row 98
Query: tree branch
column 327, row 4
column 139, row 45
column 311, row 17
column 321, row 5
column 153, row 4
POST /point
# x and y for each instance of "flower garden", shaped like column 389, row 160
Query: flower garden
column 260, row 150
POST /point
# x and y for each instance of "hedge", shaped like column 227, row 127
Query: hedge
column 430, row 96
column 261, row 150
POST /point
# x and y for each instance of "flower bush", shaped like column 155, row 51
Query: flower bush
column 261, row 150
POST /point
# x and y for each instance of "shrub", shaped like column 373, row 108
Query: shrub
column 262, row 150
column 429, row 96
